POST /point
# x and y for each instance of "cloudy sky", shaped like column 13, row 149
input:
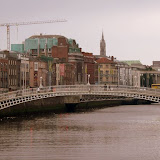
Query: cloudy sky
column 131, row 27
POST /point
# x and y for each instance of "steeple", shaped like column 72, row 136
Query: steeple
column 102, row 46
column 102, row 35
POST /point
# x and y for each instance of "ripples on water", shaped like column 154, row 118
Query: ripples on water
column 116, row 133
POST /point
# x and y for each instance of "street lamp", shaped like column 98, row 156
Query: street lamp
column 88, row 79
column 40, row 86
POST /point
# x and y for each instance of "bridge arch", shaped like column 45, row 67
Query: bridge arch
column 23, row 96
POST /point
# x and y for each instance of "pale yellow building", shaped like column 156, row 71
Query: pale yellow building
column 107, row 71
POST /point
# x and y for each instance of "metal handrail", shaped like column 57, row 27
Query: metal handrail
column 78, row 88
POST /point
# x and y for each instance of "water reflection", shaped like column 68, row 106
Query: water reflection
column 124, row 132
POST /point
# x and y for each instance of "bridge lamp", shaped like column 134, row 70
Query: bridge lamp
column 88, row 79
column 40, row 86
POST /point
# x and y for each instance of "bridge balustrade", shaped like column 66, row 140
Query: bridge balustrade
column 79, row 89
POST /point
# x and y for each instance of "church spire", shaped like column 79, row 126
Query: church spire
column 102, row 46
column 102, row 35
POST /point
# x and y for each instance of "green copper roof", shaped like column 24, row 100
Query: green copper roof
column 33, row 43
column 130, row 62
column 17, row 48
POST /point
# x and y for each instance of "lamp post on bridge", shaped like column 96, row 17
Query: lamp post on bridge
column 88, row 79
column 41, row 86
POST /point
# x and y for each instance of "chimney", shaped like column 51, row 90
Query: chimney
column 112, row 58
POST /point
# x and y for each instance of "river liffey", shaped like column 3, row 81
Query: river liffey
column 115, row 133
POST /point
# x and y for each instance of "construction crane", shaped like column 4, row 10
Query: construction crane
column 25, row 23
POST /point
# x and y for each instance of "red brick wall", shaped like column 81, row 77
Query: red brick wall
column 61, row 50
column 91, row 71
column 62, row 41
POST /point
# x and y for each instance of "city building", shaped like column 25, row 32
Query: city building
column 14, row 75
column 38, row 72
column 24, row 72
column 3, row 73
column 107, row 71
column 59, row 47
column 75, row 57
column 65, row 74
column 156, row 65
column 89, row 66
column 124, row 74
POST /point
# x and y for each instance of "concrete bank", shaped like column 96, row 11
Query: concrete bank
column 61, row 105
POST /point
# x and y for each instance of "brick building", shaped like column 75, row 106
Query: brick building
column 3, row 72
column 60, row 51
column 38, row 72
column 59, row 47
column 65, row 74
column 89, row 65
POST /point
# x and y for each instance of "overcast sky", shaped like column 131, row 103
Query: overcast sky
column 131, row 27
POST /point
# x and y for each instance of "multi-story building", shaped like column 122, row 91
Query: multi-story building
column 89, row 65
column 58, row 47
column 107, row 71
column 124, row 73
column 24, row 72
column 67, row 51
column 156, row 65
column 13, row 69
column 38, row 72
column 3, row 73
column 37, row 45
column 76, row 58
column 65, row 74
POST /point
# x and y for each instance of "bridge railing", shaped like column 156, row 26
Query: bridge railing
column 78, row 89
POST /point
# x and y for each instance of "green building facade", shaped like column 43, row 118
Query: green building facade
column 42, row 43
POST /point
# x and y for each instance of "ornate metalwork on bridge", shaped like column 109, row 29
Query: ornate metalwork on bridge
column 86, row 93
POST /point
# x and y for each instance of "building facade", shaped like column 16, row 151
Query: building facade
column 38, row 72
column 107, row 71
column 3, row 73
column 89, row 65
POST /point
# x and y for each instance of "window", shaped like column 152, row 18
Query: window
column 36, row 66
column 43, row 50
column 107, row 73
column 49, row 49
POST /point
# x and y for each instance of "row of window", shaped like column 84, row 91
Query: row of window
column 4, row 85
column 12, row 62
column 12, row 82
column 3, row 74
column 113, row 79
column 109, row 72
column 12, row 72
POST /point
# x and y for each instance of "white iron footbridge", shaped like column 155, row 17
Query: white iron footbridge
column 13, row 98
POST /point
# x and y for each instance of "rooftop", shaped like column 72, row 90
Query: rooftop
column 46, row 36
column 131, row 62
column 104, row 60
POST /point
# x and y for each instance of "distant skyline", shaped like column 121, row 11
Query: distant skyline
column 131, row 27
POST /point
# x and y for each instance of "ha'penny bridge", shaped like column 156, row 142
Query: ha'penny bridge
column 76, row 94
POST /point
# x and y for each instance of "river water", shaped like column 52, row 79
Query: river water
column 117, row 133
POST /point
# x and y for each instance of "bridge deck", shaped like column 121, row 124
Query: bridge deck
column 22, row 96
